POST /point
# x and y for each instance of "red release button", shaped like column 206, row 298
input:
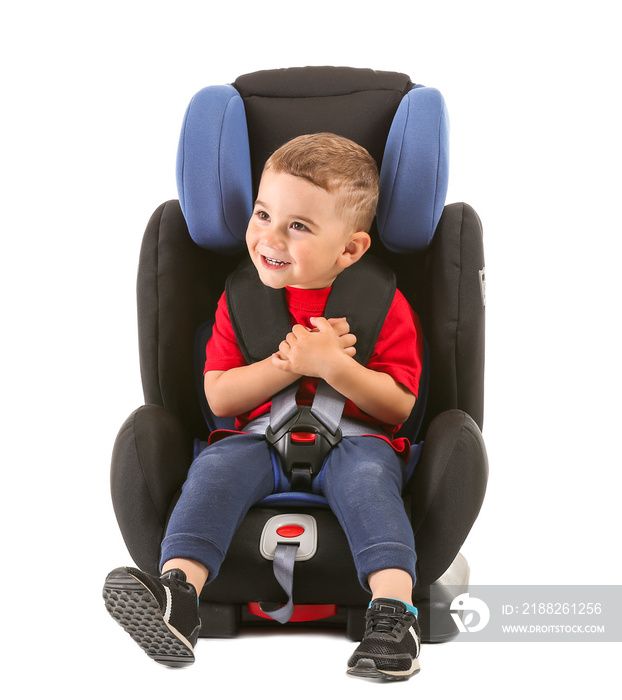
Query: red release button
column 290, row 531
column 303, row 437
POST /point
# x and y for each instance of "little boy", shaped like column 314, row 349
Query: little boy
column 315, row 205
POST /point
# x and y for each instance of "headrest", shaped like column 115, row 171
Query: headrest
column 214, row 170
column 414, row 172
column 214, row 176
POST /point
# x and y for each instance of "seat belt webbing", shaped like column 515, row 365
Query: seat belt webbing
column 284, row 558
column 327, row 406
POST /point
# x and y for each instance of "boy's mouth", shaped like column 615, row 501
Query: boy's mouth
column 271, row 263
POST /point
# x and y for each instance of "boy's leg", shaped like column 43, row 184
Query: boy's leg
column 196, row 573
column 363, row 481
column 224, row 481
column 391, row 583
column 161, row 614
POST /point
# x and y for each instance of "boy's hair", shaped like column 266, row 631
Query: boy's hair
column 336, row 165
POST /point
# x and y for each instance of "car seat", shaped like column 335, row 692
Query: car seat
column 189, row 248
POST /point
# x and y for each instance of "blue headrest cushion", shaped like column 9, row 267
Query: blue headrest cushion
column 214, row 170
column 414, row 172
column 214, row 177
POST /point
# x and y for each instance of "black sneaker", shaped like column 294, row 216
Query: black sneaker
column 160, row 614
column 390, row 647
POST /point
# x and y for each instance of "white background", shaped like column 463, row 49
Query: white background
column 93, row 98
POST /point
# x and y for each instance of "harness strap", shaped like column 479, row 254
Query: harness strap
column 283, row 406
column 327, row 406
column 349, row 427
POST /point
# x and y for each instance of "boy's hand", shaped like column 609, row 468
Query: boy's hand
column 326, row 351
column 342, row 329
column 312, row 352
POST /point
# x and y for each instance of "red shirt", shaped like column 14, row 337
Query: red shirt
column 398, row 350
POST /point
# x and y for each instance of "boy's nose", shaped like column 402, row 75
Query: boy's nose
column 273, row 239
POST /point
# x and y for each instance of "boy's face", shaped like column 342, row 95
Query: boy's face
column 295, row 236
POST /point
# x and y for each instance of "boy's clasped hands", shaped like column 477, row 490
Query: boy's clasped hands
column 313, row 352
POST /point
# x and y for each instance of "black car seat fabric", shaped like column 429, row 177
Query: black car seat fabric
column 191, row 246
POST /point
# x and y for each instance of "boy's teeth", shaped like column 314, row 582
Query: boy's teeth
column 272, row 261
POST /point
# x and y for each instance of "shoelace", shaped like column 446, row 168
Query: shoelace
column 177, row 581
column 386, row 623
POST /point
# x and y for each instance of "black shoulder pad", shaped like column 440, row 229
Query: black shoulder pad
column 362, row 293
column 258, row 313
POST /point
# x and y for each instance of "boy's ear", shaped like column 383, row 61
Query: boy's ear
column 358, row 244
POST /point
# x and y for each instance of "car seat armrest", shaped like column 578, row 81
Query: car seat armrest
column 447, row 491
column 150, row 460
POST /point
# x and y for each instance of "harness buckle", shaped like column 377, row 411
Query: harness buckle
column 303, row 443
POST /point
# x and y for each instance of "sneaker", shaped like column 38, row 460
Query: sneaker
column 390, row 647
column 160, row 614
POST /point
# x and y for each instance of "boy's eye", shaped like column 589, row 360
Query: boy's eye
column 297, row 226
column 263, row 215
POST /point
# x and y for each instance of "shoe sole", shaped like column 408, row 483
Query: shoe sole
column 134, row 607
column 366, row 668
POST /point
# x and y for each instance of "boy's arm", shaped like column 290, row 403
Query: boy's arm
column 241, row 389
column 375, row 393
column 318, row 354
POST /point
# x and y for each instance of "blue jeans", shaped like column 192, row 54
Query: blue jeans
column 362, row 480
